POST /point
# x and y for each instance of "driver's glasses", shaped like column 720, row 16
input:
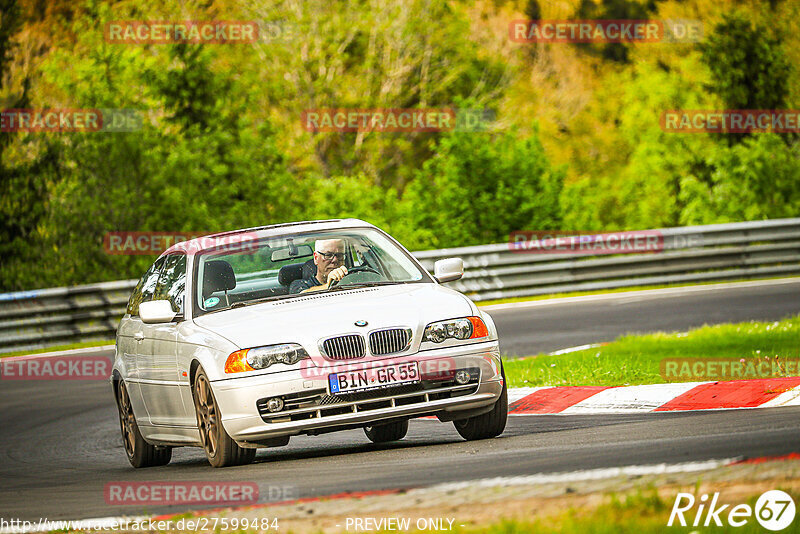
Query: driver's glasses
column 329, row 256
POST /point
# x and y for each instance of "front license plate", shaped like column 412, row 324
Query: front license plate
column 379, row 377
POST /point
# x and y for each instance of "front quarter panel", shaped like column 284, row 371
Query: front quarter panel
column 198, row 347
column 197, row 344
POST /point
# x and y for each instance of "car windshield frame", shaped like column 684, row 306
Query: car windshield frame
column 198, row 311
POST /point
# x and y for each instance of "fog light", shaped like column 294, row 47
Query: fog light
column 275, row 404
column 462, row 376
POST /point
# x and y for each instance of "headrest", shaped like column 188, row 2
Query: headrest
column 289, row 273
column 217, row 276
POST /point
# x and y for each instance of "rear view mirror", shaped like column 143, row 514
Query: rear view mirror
column 300, row 251
column 156, row 311
column 448, row 269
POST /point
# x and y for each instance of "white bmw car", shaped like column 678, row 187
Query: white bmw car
column 243, row 339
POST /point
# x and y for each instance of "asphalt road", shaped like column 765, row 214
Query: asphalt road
column 60, row 444
column 545, row 326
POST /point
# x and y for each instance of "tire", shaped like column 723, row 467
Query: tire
column 220, row 449
column 387, row 432
column 488, row 425
column 140, row 453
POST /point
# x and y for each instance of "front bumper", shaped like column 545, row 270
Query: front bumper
column 311, row 409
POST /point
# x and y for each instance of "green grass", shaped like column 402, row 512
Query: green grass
column 640, row 512
column 636, row 513
column 617, row 290
column 81, row 345
column 637, row 359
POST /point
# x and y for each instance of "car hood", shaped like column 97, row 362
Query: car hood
column 309, row 319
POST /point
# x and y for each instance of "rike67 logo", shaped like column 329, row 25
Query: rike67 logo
column 774, row 510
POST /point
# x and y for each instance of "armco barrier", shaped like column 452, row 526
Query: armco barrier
column 759, row 249
column 717, row 252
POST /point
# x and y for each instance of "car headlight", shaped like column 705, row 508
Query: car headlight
column 463, row 328
column 263, row 357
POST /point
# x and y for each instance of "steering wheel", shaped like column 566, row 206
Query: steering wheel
column 354, row 270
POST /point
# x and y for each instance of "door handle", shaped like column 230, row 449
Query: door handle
column 138, row 336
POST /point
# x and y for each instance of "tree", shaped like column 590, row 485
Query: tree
column 614, row 10
column 478, row 188
column 749, row 67
column 198, row 163
column 758, row 178
column 370, row 54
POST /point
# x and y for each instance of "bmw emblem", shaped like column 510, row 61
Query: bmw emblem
column 361, row 323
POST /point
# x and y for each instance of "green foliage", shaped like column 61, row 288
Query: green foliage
column 479, row 187
column 614, row 10
column 389, row 54
column 674, row 178
column 749, row 67
column 10, row 23
column 353, row 196
column 23, row 208
column 203, row 166
column 757, row 179
column 645, row 192
column 576, row 144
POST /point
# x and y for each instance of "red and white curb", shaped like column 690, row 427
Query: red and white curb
column 686, row 396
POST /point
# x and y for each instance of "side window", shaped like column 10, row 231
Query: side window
column 145, row 288
column 172, row 281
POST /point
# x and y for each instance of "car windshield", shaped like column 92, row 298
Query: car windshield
column 291, row 265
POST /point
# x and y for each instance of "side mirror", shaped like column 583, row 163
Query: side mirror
column 448, row 269
column 156, row 311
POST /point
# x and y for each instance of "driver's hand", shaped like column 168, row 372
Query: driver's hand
column 337, row 274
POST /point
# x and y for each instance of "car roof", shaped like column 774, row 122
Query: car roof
column 272, row 230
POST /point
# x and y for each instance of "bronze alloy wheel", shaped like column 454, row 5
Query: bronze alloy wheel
column 126, row 420
column 207, row 418
column 221, row 450
column 140, row 453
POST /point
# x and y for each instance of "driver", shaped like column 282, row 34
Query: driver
column 329, row 259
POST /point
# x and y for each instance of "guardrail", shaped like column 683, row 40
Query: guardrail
column 759, row 249
column 717, row 252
